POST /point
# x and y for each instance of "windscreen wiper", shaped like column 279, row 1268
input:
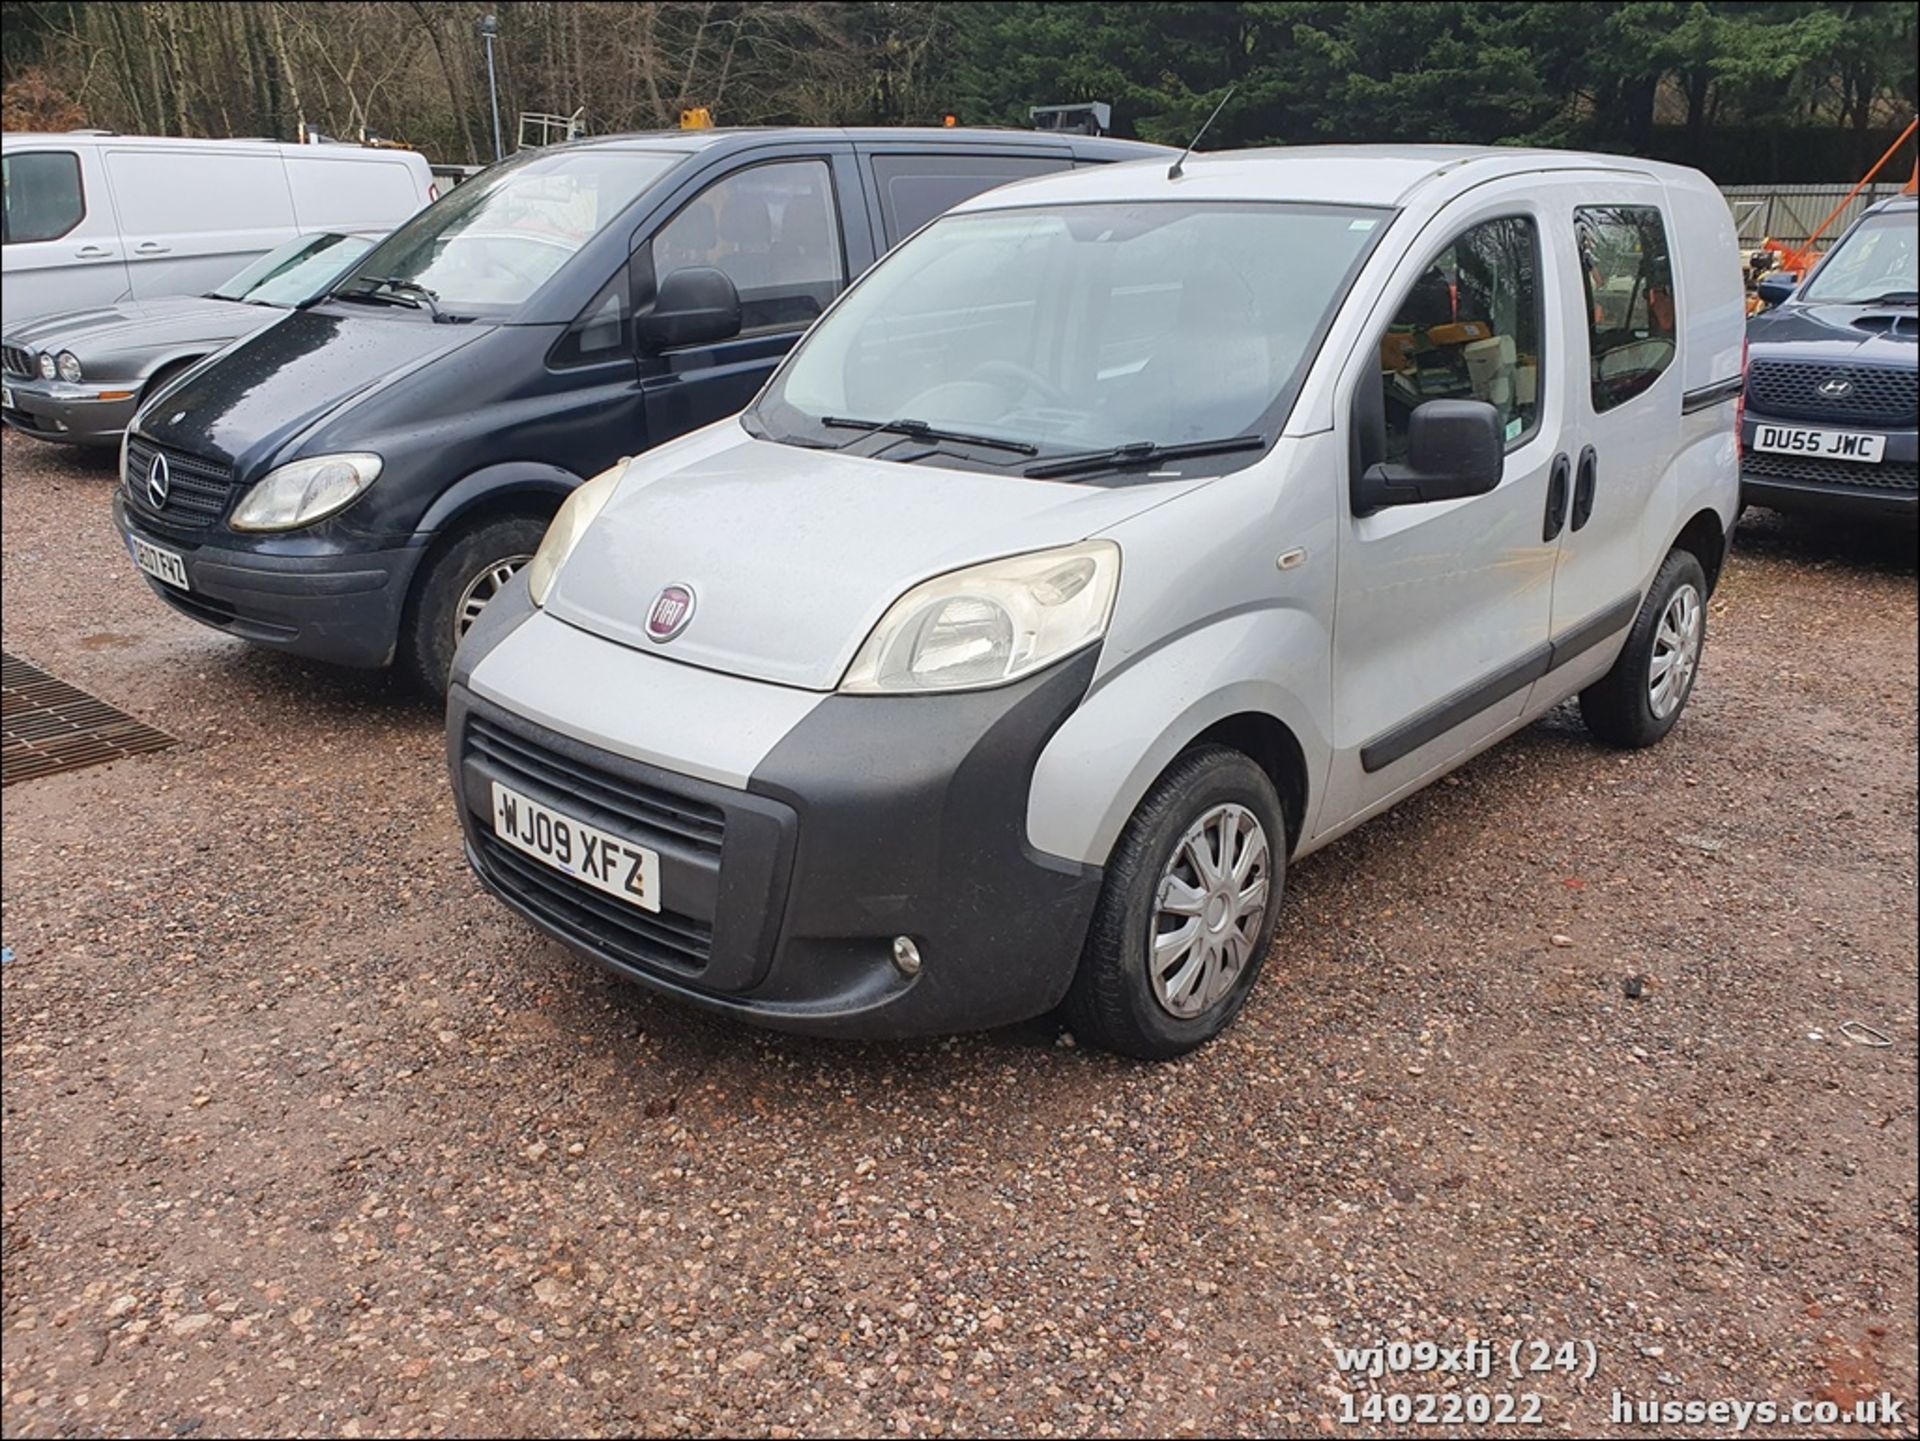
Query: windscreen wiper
column 920, row 430
column 401, row 292
column 1893, row 297
column 1142, row 452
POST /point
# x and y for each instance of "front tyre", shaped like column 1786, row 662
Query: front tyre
column 1186, row 912
column 452, row 591
column 1637, row 702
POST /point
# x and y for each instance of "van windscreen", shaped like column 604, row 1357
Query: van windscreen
column 496, row 239
column 1079, row 327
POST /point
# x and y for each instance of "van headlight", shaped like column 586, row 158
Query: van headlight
column 990, row 624
column 569, row 523
column 305, row 491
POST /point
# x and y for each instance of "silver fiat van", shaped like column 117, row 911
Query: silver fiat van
column 1120, row 538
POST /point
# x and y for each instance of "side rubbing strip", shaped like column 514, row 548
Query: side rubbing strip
column 1590, row 632
column 1463, row 705
column 1719, row 393
column 1457, row 709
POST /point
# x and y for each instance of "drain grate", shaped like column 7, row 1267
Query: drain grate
column 48, row 726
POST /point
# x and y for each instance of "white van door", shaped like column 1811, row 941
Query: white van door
column 60, row 248
column 1626, row 403
column 370, row 191
column 192, row 217
column 1443, row 609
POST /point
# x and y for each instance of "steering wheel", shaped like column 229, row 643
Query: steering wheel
column 1009, row 374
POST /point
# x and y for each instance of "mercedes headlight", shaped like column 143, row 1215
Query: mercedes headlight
column 304, row 491
column 68, row 364
column 569, row 524
column 990, row 624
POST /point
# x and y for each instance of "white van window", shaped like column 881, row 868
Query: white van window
column 1628, row 274
column 1469, row 329
column 167, row 192
column 348, row 193
column 774, row 231
column 499, row 237
column 296, row 271
column 1084, row 326
column 44, row 198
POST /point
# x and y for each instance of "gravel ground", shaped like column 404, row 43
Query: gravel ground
column 305, row 1133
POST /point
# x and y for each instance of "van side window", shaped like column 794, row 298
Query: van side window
column 915, row 188
column 43, row 195
column 774, row 231
column 1628, row 274
column 1469, row 329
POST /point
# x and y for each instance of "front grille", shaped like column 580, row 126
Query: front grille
column 1890, row 475
column 644, row 814
column 1881, row 395
column 197, row 492
column 18, row 361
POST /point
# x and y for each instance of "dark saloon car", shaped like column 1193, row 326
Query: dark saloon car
column 1833, row 377
column 354, row 483
column 78, row 377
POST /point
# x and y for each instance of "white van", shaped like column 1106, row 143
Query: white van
column 1119, row 538
column 93, row 218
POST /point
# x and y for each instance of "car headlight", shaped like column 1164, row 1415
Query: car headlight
column 569, row 524
column 68, row 364
column 47, row 368
column 304, row 491
column 990, row 624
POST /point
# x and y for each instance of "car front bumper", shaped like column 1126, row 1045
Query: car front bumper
column 1889, row 488
column 341, row 608
column 871, row 818
column 72, row 414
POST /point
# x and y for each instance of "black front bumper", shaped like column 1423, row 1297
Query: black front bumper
column 876, row 817
column 344, row 608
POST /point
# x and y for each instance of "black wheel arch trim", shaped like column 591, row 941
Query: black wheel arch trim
column 1464, row 704
column 495, row 482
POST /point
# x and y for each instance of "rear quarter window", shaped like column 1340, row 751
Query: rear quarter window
column 44, row 196
column 913, row 189
column 1627, row 270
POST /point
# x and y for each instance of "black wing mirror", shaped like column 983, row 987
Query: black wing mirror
column 696, row 305
column 1455, row 448
column 1775, row 288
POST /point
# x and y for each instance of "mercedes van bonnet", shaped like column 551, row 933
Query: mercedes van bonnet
column 1120, row 538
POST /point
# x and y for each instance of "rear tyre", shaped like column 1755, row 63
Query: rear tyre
column 1187, row 911
column 455, row 586
column 1637, row 702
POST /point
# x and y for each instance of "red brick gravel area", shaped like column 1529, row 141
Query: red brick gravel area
column 304, row 1133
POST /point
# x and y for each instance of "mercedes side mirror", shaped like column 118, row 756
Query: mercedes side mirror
column 696, row 305
column 1455, row 448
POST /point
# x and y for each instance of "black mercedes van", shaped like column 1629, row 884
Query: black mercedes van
column 354, row 482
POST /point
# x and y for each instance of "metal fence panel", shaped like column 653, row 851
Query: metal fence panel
column 1789, row 213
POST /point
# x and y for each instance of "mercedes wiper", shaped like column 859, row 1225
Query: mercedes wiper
column 920, row 430
column 399, row 292
column 1142, row 452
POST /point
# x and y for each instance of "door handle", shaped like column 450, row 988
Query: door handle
column 93, row 252
column 1557, row 483
column 151, row 247
column 1587, row 477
